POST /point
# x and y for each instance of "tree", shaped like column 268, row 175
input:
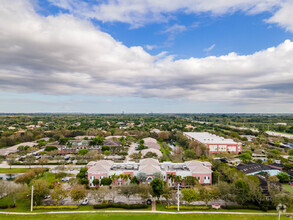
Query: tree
column 128, row 190
column 190, row 181
column 41, row 189
column 11, row 159
column 157, row 187
column 150, row 155
column 283, row 177
column 77, row 193
column 83, row 152
column 288, row 166
column 189, row 195
column 13, row 190
column 58, row 194
column 144, row 191
column 106, row 181
column 51, row 148
column 273, row 179
column 141, row 177
column 100, row 194
column 43, row 161
column 107, row 152
column 246, row 156
column 167, row 193
column 134, row 180
column 30, row 159
column 63, row 141
column 207, row 195
column 164, row 135
column 96, row 182
column 189, row 155
column 158, row 175
column 290, row 152
column 241, row 189
column 283, row 198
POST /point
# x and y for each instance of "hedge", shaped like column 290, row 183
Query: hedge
column 57, row 207
column 123, row 206
column 6, row 206
column 188, row 207
column 254, row 207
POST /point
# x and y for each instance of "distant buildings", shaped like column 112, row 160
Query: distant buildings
column 105, row 168
column 214, row 143
column 75, row 145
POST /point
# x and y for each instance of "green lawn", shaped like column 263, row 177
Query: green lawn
column 288, row 188
column 143, row 216
column 162, row 208
column 13, row 170
column 50, row 177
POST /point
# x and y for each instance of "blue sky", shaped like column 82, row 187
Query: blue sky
column 145, row 56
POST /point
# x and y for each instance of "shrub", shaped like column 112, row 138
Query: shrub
column 253, row 207
column 106, row 181
column 122, row 206
column 57, row 207
column 6, row 206
column 51, row 148
column 188, row 207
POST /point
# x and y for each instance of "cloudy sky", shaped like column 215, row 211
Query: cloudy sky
column 109, row 56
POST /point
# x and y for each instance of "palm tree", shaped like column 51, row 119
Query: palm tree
column 178, row 179
column 171, row 176
column 121, row 176
column 114, row 177
column 127, row 177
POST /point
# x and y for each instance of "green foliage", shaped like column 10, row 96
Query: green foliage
column 290, row 152
column 104, row 148
column 121, row 206
column 96, row 182
column 78, row 192
column 56, row 207
column 189, row 155
column 134, row 180
column 157, row 187
column 106, row 181
column 246, row 156
column 189, row 195
column 83, row 152
column 283, row 177
column 188, row 207
column 51, row 148
column 41, row 189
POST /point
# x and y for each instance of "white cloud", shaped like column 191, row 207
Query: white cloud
column 283, row 16
column 210, row 48
column 64, row 55
column 140, row 12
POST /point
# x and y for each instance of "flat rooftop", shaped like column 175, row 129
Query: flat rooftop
column 208, row 138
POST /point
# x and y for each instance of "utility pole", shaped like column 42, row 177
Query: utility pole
column 32, row 198
column 178, row 196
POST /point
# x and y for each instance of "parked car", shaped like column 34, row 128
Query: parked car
column 65, row 179
column 85, row 201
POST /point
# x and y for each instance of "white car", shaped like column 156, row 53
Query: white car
column 85, row 201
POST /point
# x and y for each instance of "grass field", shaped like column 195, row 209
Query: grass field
column 288, row 188
column 142, row 216
column 13, row 170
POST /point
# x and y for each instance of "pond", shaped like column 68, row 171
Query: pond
column 8, row 176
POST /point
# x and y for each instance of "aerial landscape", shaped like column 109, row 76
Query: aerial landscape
column 122, row 109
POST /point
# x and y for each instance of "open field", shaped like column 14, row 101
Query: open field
column 288, row 188
column 141, row 216
column 13, row 170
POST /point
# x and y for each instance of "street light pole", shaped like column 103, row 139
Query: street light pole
column 32, row 198
column 178, row 197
